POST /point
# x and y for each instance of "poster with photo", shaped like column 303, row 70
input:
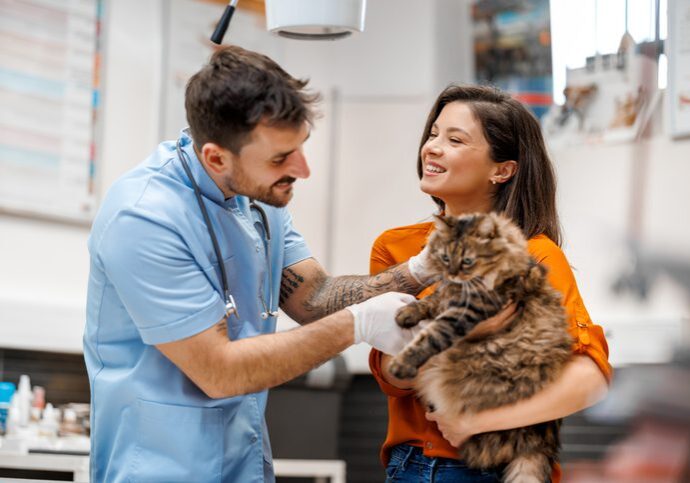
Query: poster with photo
column 512, row 49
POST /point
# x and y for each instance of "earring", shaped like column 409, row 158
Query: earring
column 493, row 181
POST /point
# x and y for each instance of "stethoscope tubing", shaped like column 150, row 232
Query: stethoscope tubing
column 230, row 305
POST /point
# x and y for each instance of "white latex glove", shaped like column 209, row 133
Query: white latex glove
column 375, row 322
column 419, row 267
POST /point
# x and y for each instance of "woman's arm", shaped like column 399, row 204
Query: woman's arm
column 580, row 385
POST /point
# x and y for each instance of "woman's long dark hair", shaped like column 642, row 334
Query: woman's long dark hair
column 513, row 133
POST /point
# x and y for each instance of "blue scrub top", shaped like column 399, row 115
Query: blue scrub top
column 154, row 278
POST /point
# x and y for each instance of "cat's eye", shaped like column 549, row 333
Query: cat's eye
column 467, row 261
column 445, row 258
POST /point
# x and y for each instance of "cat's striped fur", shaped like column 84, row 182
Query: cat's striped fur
column 483, row 263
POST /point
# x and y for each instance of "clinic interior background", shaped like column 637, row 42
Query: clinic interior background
column 377, row 88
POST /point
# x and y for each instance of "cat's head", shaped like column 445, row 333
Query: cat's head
column 478, row 245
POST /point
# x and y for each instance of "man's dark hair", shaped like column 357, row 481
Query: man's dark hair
column 236, row 91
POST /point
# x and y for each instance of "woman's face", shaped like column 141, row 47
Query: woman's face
column 455, row 160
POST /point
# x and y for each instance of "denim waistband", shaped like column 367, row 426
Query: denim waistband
column 406, row 453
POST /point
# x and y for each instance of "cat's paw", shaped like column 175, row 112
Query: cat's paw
column 401, row 370
column 407, row 316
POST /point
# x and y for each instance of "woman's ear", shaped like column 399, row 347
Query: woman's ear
column 504, row 171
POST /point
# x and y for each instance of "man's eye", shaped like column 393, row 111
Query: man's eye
column 280, row 160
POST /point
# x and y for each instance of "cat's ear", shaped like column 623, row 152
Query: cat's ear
column 535, row 276
column 509, row 230
column 487, row 226
column 443, row 223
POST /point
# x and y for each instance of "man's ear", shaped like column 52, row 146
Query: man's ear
column 504, row 171
column 216, row 158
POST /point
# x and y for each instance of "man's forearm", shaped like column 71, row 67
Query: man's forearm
column 257, row 363
column 336, row 293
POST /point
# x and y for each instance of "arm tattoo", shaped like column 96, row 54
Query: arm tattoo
column 289, row 282
column 336, row 293
column 222, row 326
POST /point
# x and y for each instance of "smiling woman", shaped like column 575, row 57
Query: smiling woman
column 483, row 151
column 456, row 157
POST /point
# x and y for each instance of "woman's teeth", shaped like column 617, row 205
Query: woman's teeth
column 434, row 169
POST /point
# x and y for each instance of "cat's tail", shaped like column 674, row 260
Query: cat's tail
column 528, row 468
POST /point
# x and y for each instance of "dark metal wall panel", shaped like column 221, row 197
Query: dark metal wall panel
column 363, row 430
column 62, row 375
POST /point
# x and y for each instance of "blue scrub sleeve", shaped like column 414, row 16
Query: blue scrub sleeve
column 295, row 248
column 165, row 291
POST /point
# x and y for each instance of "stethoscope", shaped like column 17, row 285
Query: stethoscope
column 230, row 305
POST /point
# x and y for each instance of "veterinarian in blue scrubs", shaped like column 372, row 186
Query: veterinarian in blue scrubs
column 186, row 276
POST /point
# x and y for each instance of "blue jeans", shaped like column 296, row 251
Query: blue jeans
column 409, row 465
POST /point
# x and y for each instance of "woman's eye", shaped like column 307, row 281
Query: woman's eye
column 468, row 262
column 455, row 140
column 432, row 135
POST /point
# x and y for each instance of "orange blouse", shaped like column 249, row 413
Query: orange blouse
column 406, row 421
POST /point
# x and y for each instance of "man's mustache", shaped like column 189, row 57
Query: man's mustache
column 286, row 179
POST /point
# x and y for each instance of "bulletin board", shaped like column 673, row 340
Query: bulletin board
column 50, row 57
column 678, row 51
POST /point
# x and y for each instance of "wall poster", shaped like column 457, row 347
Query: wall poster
column 49, row 92
column 512, row 49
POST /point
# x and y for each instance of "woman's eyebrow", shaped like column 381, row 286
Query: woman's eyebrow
column 460, row 130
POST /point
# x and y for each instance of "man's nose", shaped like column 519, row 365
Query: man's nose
column 299, row 167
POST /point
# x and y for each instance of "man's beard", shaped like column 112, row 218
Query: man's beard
column 265, row 194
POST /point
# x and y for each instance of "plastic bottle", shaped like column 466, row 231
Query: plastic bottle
column 24, row 400
column 7, row 390
column 13, row 415
column 50, row 422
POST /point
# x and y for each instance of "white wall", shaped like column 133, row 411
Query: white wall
column 43, row 265
column 377, row 88
column 597, row 199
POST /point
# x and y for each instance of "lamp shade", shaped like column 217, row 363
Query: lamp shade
column 315, row 19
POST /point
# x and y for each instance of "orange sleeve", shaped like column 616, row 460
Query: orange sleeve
column 381, row 258
column 387, row 388
column 589, row 337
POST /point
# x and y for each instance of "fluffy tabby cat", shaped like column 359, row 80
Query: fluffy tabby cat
column 483, row 263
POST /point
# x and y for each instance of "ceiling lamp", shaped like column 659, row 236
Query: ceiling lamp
column 315, row 19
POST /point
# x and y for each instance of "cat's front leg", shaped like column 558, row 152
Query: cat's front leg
column 433, row 339
column 411, row 314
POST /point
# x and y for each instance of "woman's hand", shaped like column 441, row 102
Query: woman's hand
column 456, row 430
column 494, row 324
